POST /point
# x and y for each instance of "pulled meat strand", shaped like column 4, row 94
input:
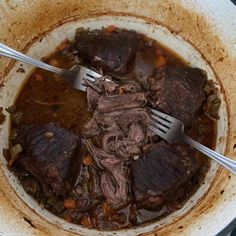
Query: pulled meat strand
column 114, row 180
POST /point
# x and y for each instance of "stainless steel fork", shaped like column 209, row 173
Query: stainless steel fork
column 172, row 130
column 74, row 76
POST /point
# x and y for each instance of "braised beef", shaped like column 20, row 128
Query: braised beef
column 130, row 87
column 114, row 52
column 120, row 102
column 52, row 154
column 160, row 172
column 122, row 119
column 92, row 98
column 126, row 176
column 136, row 132
column 121, row 122
column 107, row 96
column 95, row 179
column 114, row 177
column 125, row 146
column 114, row 183
column 144, row 66
column 178, row 92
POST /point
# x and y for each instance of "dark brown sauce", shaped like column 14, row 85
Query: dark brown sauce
column 46, row 98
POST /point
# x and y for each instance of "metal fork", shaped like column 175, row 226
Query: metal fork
column 74, row 76
column 172, row 130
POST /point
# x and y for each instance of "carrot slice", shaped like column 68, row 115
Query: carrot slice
column 161, row 61
column 53, row 62
column 69, row 203
column 121, row 91
column 86, row 221
column 63, row 45
column 110, row 29
column 106, row 209
column 159, row 52
column 39, row 77
column 67, row 218
column 87, row 160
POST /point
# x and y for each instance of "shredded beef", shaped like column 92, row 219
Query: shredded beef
column 121, row 122
column 120, row 102
column 114, row 178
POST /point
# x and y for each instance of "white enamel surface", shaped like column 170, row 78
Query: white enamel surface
column 47, row 45
column 221, row 14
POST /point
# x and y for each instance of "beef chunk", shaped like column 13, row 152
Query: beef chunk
column 178, row 92
column 112, row 51
column 52, row 154
column 161, row 171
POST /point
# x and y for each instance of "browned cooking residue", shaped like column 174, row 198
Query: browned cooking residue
column 178, row 19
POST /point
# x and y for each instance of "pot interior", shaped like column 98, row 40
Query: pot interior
column 46, row 45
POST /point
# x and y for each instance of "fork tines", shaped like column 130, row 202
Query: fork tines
column 160, row 123
column 160, row 118
column 89, row 74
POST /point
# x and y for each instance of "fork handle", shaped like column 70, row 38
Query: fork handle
column 9, row 52
column 224, row 161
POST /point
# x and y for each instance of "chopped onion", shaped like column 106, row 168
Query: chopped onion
column 48, row 134
column 14, row 152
